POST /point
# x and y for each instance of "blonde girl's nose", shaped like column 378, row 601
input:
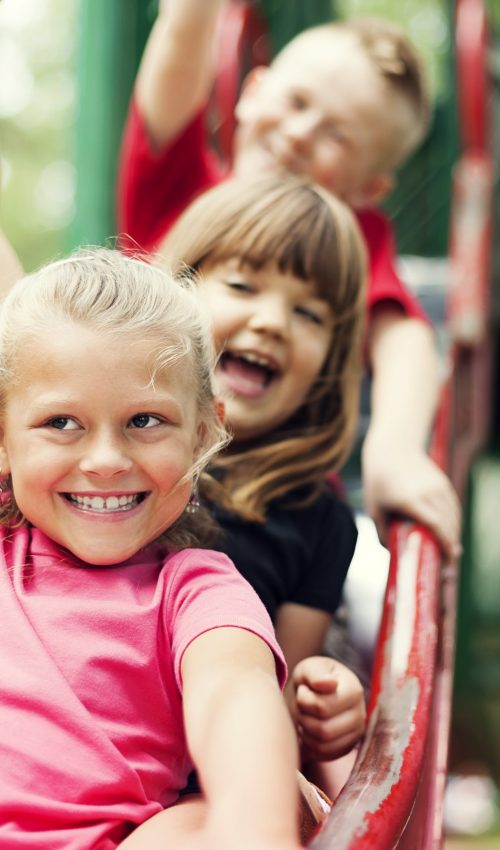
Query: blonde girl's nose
column 105, row 457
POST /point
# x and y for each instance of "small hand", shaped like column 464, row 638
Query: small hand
column 329, row 708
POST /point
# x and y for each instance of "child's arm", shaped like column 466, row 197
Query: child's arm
column 328, row 708
column 325, row 698
column 241, row 740
column 177, row 67
column 10, row 267
column 398, row 474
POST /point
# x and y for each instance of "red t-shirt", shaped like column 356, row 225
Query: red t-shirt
column 154, row 188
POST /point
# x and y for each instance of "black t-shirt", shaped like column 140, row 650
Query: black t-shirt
column 298, row 555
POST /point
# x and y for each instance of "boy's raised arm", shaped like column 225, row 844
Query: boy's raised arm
column 177, row 67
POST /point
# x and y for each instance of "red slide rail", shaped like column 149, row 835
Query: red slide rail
column 394, row 797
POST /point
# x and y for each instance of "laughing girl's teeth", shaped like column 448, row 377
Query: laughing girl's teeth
column 257, row 358
column 99, row 503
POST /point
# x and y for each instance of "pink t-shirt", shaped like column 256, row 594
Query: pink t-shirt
column 154, row 188
column 91, row 730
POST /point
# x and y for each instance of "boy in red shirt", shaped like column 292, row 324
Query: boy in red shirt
column 342, row 104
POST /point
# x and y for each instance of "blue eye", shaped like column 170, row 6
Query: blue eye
column 144, row 420
column 62, row 423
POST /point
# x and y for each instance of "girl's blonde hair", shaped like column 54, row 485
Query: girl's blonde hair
column 109, row 292
column 303, row 230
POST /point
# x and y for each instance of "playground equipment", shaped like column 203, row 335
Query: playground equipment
column 394, row 797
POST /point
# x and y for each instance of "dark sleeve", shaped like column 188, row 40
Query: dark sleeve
column 331, row 536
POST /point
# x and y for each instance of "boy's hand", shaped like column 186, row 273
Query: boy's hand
column 328, row 708
column 410, row 483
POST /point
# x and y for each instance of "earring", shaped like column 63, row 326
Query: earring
column 4, row 481
column 193, row 505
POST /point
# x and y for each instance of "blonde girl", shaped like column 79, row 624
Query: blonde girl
column 126, row 658
column 281, row 267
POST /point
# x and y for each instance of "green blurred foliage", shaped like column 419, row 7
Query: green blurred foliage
column 493, row 7
column 37, row 104
column 427, row 23
column 420, row 204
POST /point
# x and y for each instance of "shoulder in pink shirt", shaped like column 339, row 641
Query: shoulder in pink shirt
column 91, row 731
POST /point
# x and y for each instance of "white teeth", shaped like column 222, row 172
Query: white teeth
column 100, row 503
column 259, row 359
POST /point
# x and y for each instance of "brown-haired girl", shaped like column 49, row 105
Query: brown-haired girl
column 281, row 267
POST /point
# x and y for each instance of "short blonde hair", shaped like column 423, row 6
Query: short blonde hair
column 397, row 62
column 301, row 229
column 109, row 292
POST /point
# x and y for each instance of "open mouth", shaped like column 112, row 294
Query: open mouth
column 105, row 504
column 247, row 369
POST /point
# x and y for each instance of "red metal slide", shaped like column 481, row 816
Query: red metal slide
column 394, row 797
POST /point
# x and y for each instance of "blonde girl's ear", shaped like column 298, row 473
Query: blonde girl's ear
column 202, row 431
column 4, row 458
column 211, row 438
column 201, row 438
column 220, row 411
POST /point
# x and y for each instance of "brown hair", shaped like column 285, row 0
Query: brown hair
column 303, row 230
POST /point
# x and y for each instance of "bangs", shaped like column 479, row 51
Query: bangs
column 301, row 246
column 289, row 223
column 300, row 229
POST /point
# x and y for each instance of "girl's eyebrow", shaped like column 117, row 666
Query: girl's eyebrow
column 54, row 400
column 63, row 401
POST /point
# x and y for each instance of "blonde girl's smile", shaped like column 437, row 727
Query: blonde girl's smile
column 92, row 438
column 102, row 503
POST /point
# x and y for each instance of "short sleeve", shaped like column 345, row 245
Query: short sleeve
column 332, row 537
column 154, row 187
column 384, row 283
column 205, row 591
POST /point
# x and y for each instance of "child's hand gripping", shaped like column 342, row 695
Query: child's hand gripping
column 328, row 707
column 410, row 483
